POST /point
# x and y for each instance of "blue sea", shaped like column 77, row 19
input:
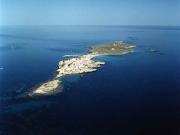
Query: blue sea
column 133, row 94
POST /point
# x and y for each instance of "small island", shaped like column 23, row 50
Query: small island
column 115, row 48
column 47, row 88
column 81, row 64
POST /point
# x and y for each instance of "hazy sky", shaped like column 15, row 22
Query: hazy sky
column 89, row 12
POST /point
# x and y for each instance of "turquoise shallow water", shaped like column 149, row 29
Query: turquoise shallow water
column 136, row 93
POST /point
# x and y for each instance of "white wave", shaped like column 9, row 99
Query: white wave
column 71, row 55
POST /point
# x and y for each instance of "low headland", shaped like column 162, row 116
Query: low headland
column 81, row 64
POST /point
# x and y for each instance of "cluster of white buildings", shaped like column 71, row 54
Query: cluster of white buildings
column 78, row 65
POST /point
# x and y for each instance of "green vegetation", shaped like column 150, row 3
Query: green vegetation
column 115, row 48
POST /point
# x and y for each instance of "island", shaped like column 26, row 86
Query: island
column 115, row 48
column 81, row 64
column 152, row 50
column 47, row 88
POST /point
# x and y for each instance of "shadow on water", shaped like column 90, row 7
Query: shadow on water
column 10, row 48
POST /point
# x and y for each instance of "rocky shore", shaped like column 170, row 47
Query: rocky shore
column 47, row 88
column 81, row 64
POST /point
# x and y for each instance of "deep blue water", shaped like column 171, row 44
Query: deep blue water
column 132, row 94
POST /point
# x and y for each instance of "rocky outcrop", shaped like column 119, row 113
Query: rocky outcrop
column 47, row 88
column 152, row 50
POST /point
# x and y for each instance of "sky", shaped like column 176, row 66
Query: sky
column 90, row 12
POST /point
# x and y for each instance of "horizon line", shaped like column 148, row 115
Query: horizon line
column 85, row 25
